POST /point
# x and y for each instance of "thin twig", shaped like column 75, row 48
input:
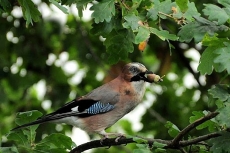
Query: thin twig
column 121, row 2
column 125, row 5
column 170, row 16
column 199, row 139
column 191, row 126
column 151, row 140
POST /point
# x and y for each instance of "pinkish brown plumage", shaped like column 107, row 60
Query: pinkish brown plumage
column 105, row 105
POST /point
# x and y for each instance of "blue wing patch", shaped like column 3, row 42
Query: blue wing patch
column 99, row 108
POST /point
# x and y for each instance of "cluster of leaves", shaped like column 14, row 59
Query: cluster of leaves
column 221, row 94
column 26, row 138
column 125, row 23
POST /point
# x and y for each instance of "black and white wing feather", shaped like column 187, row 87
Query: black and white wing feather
column 80, row 108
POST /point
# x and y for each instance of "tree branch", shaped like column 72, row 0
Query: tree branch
column 97, row 144
column 111, row 142
column 176, row 143
column 199, row 139
column 191, row 126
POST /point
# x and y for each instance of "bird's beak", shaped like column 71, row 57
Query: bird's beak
column 143, row 77
column 148, row 72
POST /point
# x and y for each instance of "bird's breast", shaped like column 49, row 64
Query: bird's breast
column 135, row 91
column 131, row 96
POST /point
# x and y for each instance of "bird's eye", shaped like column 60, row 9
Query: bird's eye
column 133, row 69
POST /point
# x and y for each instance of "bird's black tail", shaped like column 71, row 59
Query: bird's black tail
column 38, row 121
column 49, row 118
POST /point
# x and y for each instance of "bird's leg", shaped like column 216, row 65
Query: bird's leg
column 119, row 136
column 106, row 135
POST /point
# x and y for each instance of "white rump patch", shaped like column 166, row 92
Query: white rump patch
column 75, row 109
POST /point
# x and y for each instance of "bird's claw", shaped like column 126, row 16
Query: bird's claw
column 106, row 136
column 102, row 139
column 101, row 142
column 119, row 137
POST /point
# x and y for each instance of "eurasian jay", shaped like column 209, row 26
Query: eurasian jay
column 105, row 105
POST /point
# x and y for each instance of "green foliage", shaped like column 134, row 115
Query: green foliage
column 198, row 28
column 136, row 12
column 5, row 6
column 62, row 8
column 26, row 117
column 191, row 11
column 225, row 3
column 215, row 13
column 144, row 148
column 222, row 58
column 159, row 145
column 213, row 55
column 103, row 11
column 25, row 137
column 210, row 124
column 139, row 140
column 224, row 117
column 142, row 35
column 131, row 21
column 119, row 45
column 141, row 149
column 164, row 7
column 183, row 4
column 163, row 34
column 173, row 130
column 220, row 144
column 206, row 61
column 55, row 143
column 30, row 12
column 222, row 94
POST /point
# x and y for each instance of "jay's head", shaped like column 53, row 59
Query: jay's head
column 135, row 72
